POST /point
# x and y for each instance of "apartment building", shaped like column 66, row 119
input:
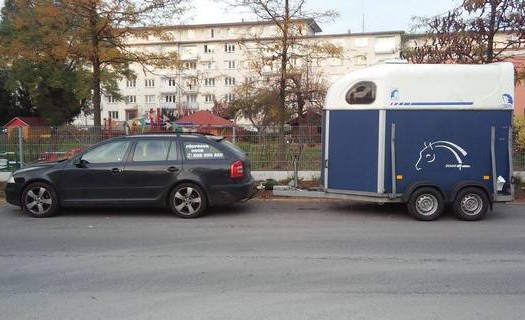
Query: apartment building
column 215, row 59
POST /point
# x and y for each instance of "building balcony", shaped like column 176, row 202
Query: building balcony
column 191, row 90
column 168, row 90
column 189, row 105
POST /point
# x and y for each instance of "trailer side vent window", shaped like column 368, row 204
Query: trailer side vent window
column 363, row 92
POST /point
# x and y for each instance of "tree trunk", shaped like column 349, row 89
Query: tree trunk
column 281, row 147
column 96, row 94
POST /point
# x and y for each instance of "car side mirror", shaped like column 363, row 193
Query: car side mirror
column 80, row 163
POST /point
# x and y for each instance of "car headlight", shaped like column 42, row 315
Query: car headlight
column 11, row 179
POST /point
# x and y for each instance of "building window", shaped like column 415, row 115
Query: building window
column 170, row 99
column 229, row 81
column 209, row 82
column 190, row 65
column 212, row 33
column 149, row 83
column 230, row 64
column 150, row 99
column 131, row 99
column 208, row 48
column 131, row 114
column 191, row 98
column 112, row 99
column 113, row 114
column 131, row 83
column 363, row 92
column 211, row 65
column 229, row 97
column 209, row 98
column 171, row 83
column 229, row 48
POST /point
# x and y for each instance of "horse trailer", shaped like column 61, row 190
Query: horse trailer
column 425, row 135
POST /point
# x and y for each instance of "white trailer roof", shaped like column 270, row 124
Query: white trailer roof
column 429, row 86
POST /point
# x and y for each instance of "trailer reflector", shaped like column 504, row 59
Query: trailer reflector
column 399, row 177
column 486, row 178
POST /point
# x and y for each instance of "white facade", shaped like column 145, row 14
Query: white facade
column 215, row 60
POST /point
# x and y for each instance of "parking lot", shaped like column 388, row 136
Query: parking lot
column 265, row 259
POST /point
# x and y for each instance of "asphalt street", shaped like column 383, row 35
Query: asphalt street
column 265, row 259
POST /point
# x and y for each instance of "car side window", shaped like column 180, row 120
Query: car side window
column 151, row 150
column 174, row 152
column 201, row 151
column 363, row 92
column 106, row 153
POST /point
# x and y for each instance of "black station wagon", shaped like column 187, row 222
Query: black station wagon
column 186, row 172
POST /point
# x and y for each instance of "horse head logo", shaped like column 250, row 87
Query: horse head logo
column 428, row 153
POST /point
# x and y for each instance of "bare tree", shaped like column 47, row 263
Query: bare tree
column 478, row 31
column 279, row 52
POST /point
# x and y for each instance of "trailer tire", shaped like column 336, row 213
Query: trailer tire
column 426, row 204
column 471, row 204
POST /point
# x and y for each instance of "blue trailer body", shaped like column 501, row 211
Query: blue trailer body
column 447, row 148
column 391, row 130
column 348, row 169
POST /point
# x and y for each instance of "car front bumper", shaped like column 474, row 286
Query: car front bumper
column 13, row 193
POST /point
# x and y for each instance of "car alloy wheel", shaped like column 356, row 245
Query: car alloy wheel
column 188, row 201
column 39, row 200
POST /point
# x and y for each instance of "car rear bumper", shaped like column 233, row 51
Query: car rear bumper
column 231, row 193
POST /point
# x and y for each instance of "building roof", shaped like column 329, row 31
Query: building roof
column 311, row 23
column 26, row 122
column 205, row 117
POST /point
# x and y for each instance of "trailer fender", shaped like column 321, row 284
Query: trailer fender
column 416, row 185
column 464, row 184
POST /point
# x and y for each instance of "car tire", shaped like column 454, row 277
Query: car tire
column 188, row 201
column 426, row 204
column 471, row 204
column 39, row 200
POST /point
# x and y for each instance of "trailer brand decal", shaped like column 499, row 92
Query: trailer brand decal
column 428, row 154
column 431, row 103
column 508, row 101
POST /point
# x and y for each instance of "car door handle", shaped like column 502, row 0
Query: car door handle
column 173, row 169
column 115, row 170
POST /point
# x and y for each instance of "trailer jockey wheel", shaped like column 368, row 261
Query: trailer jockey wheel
column 471, row 204
column 426, row 204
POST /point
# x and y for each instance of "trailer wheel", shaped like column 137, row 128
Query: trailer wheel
column 471, row 204
column 426, row 204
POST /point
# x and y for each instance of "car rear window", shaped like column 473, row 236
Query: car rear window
column 238, row 151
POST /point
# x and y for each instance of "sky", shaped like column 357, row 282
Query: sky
column 377, row 15
column 355, row 15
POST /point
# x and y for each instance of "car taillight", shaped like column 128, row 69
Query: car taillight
column 237, row 169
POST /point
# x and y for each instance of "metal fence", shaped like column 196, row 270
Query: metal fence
column 22, row 146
